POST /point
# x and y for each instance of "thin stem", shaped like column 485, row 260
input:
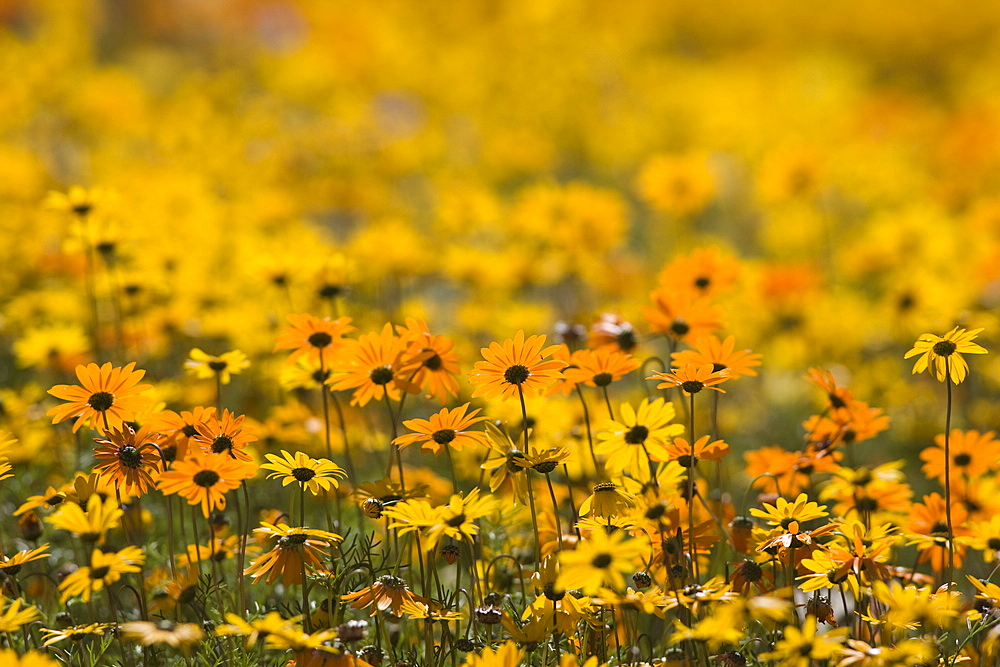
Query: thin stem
column 590, row 436
column 393, row 447
column 690, row 500
column 343, row 433
column 527, row 475
column 607, row 402
column 555, row 511
column 947, row 476
column 326, row 407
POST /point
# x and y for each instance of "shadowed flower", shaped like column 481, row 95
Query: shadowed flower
column 124, row 457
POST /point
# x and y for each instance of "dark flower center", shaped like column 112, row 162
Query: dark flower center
column 687, row 461
column 512, row 458
column 516, row 374
column 320, row 376
column 130, row 457
column 836, row 401
column 390, row 581
column 867, row 504
column 939, row 528
column 82, row 209
column 603, row 379
column 636, row 435
column 303, row 474
column 692, row 386
column 206, row 478
column 381, row 375
column 100, row 572
column 456, row 520
column 993, row 543
column 702, row 282
column 962, row 459
column 604, row 487
column 330, row 291
column 101, row 401
column 289, row 542
column 716, row 367
column 217, row 365
column 222, row 443
column 751, row 571
column 601, row 561
column 189, row 430
column 545, row 467
column 433, row 362
column 944, row 348
column 553, row 593
column 680, row 327
column 626, row 340
column 444, row 436
column 320, row 339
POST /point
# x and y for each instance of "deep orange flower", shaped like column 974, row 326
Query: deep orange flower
column 722, row 356
column 518, row 364
column 125, row 460
column 292, row 549
column 679, row 450
column 614, row 331
column 447, row 428
column 179, row 429
column 928, row 529
column 388, row 592
column 225, row 436
column 839, row 398
column 438, row 368
column 706, row 271
column 793, row 470
column 312, row 337
column 375, row 365
column 682, row 315
column 972, row 454
column 600, row 367
column 692, row 379
column 107, row 396
column 204, row 479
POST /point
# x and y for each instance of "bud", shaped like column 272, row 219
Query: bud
column 641, row 580
column 488, row 615
column 741, row 530
column 30, row 526
column 450, row 553
column 371, row 654
column 372, row 507
column 352, row 631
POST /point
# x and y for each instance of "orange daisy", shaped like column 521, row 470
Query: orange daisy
column 682, row 315
column 706, row 271
column 928, row 529
column 439, row 366
column 107, row 396
column 680, row 450
column 447, row 428
column 316, row 338
column 179, row 429
column 692, row 378
column 600, row 367
column 387, row 593
column 517, row 365
column 614, row 331
column 205, row 479
column 126, row 460
column 973, row 454
column 376, row 365
column 225, row 436
column 722, row 356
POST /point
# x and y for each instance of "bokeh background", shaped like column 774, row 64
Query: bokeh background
column 497, row 165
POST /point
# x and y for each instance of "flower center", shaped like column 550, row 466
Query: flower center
column 433, row 362
column 320, row 339
column 217, row 365
column 687, row 461
column 330, row 291
column 130, row 457
column 692, row 386
column 604, row 487
column 100, row 572
column 751, row 571
column 939, row 528
column 512, row 458
column 320, row 377
column 389, row 581
column 101, row 401
column 603, row 379
column 993, row 543
column 636, row 435
column 944, row 348
column 716, row 367
column 189, row 431
column 701, row 282
column 516, row 374
column 222, row 443
column 303, row 474
column 962, row 459
column 456, row 520
column 601, row 561
column 444, row 436
column 206, row 478
column 626, row 340
column 381, row 375
column 680, row 327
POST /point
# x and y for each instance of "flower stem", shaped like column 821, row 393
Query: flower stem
column 527, row 475
column 947, row 477
column 590, row 436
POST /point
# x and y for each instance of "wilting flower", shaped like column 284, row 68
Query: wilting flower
column 293, row 549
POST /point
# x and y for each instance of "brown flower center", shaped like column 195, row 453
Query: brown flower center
column 303, row 474
column 101, row 401
column 944, row 348
column 206, row 478
column 444, row 436
column 381, row 375
column 516, row 374
column 320, row 339
column 636, row 435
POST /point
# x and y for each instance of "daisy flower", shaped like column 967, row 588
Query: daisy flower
column 106, row 394
column 942, row 355
column 516, row 366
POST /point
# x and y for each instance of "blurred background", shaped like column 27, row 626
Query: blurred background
column 495, row 165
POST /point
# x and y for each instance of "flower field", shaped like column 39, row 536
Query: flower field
column 499, row 333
